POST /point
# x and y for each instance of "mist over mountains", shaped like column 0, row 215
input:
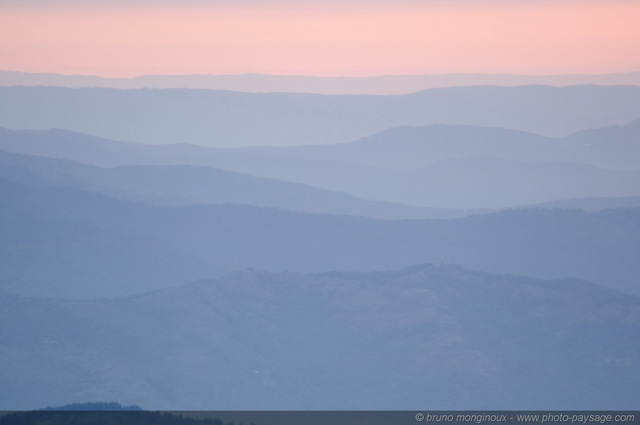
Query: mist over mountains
column 191, row 185
column 437, row 168
column 408, row 147
column 434, row 336
column 233, row 119
column 455, row 248
column 79, row 244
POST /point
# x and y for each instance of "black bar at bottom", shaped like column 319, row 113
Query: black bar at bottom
column 424, row 417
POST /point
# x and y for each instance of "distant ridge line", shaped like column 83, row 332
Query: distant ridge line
column 266, row 83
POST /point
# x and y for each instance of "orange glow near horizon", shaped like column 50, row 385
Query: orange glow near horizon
column 493, row 37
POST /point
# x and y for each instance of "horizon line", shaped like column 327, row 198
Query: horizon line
column 202, row 74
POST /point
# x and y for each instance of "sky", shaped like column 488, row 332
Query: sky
column 117, row 38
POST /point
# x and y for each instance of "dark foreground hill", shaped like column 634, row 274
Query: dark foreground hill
column 426, row 337
column 102, row 418
column 68, row 243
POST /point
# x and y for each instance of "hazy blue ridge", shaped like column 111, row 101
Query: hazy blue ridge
column 70, row 243
column 264, row 83
column 232, row 119
column 405, row 147
column 185, row 185
column 480, row 181
column 593, row 204
column 458, row 167
column 426, row 337
column 410, row 147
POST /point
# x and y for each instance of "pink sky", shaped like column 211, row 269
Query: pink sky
column 321, row 37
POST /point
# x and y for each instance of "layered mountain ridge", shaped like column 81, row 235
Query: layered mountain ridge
column 456, row 248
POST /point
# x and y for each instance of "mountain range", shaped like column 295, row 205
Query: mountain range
column 232, row 119
column 426, row 337
column 66, row 243
column 262, row 83
column 616, row 147
column 190, row 185
column 438, row 168
column 464, row 248
column 407, row 147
